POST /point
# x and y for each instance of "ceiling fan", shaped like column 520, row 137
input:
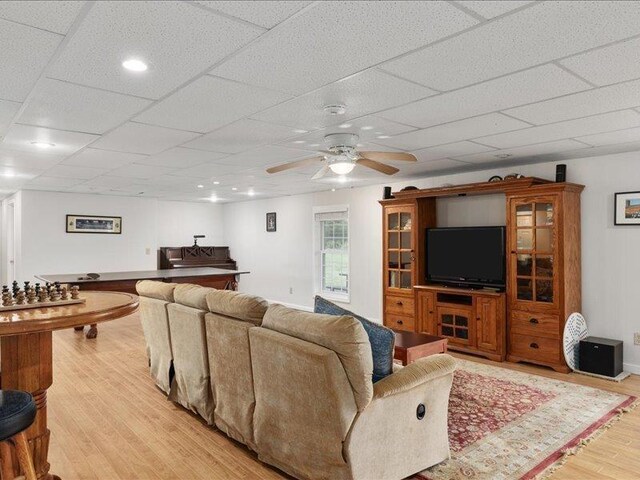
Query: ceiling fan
column 341, row 157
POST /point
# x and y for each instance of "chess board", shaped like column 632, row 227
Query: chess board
column 46, row 304
column 48, row 295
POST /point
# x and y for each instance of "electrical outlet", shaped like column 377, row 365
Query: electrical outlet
column 291, row 290
column 147, row 251
column 636, row 338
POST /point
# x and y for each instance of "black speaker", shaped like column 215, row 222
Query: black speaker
column 561, row 173
column 387, row 193
column 600, row 355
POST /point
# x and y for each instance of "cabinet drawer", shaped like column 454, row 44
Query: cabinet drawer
column 400, row 305
column 400, row 322
column 530, row 347
column 529, row 323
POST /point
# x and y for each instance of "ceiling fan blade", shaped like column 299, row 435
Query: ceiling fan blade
column 321, row 173
column 298, row 163
column 326, row 152
column 399, row 156
column 380, row 167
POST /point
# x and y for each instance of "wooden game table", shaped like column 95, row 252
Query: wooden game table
column 27, row 357
column 219, row 278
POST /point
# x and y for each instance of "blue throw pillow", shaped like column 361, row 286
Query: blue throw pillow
column 382, row 339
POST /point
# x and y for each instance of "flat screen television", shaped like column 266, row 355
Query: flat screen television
column 466, row 256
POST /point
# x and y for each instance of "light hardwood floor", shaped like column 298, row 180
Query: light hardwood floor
column 109, row 421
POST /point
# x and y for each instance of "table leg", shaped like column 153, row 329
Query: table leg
column 93, row 331
column 27, row 364
column 78, row 329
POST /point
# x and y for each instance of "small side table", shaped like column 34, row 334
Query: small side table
column 410, row 346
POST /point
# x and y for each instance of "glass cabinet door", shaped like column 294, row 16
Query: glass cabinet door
column 534, row 250
column 400, row 254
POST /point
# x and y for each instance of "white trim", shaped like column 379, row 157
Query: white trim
column 631, row 368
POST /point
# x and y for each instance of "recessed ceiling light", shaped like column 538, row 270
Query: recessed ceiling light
column 43, row 144
column 213, row 198
column 134, row 65
column 299, row 130
column 336, row 109
column 299, row 141
column 8, row 174
column 200, row 186
column 366, row 127
column 333, row 189
column 216, row 183
column 383, row 136
column 345, row 125
column 314, row 144
column 234, row 188
column 251, row 193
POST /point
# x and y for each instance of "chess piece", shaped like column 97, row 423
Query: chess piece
column 43, row 296
column 14, row 287
column 37, row 288
column 57, row 285
column 53, row 294
column 7, row 300
column 27, row 286
column 75, row 292
column 64, row 295
column 31, row 296
column 20, row 297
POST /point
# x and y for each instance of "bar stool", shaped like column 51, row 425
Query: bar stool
column 17, row 412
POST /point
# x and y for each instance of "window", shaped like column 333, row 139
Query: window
column 332, row 252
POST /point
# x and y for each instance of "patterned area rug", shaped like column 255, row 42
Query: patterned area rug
column 510, row 425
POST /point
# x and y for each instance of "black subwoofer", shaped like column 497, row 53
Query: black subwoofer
column 601, row 355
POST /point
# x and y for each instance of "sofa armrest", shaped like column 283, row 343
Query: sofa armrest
column 414, row 374
column 403, row 430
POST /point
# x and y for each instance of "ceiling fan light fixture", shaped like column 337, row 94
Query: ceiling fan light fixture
column 336, row 109
column 342, row 167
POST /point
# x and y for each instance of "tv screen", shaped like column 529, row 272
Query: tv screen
column 467, row 255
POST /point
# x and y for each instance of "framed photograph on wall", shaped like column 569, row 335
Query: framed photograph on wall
column 627, row 208
column 271, row 222
column 93, row 224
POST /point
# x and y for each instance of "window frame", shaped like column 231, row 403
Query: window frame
column 317, row 253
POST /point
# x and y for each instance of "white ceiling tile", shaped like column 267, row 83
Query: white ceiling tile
column 209, row 103
column 417, row 169
column 208, row 171
column 572, row 128
column 166, row 181
column 454, row 131
column 139, row 138
column 261, row 156
column 65, row 106
column 241, row 135
column 612, row 64
column 44, row 181
column 109, row 181
column 176, row 39
column 592, row 102
column 521, row 152
column 182, row 158
column 361, row 94
column 7, row 111
column 68, row 171
column 22, row 137
column 47, row 15
column 94, row 157
column 520, row 88
column 133, row 170
column 450, row 150
column 84, row 188
column 610, row 138
column 35, row 160
column 265, row 13
column 535, row 35
column 332, row 40
column 24, row 54
column 21, row 173
column 492, row 8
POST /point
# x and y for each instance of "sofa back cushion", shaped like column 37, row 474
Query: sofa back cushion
column 155, row 326
column 381, row 338
column 155, row 289
column 344, row 335
column 192, row 295
column 241, row 306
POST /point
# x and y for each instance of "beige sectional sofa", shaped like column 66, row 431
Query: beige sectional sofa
column 294, row 386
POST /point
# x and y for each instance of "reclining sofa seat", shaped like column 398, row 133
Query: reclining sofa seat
column 232, row 315
column 191, row 386
column 319, row 416
column 154, row 298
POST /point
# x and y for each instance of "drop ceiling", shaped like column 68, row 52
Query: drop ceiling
column 235, row 87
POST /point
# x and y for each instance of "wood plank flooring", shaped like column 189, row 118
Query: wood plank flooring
column 109, row 421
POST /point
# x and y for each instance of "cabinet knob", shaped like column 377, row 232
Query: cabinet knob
column 430, row 311
column 534, row 321
column 398, row 303
column 478, row 318
column 399, row 322
column 534, row 345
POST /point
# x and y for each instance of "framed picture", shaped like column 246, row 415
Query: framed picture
column 93, row 224
column 627, row 208
column 271, row 222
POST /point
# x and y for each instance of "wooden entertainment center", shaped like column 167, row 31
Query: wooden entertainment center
column 543, row 285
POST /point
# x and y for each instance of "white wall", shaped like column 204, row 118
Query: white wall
column 147, row 223
column 610, row 255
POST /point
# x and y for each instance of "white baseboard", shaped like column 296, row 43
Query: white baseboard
column 631, row 368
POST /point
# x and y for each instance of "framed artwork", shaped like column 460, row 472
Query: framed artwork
column 93, row 224
column 627, row 208
column 271, row 222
